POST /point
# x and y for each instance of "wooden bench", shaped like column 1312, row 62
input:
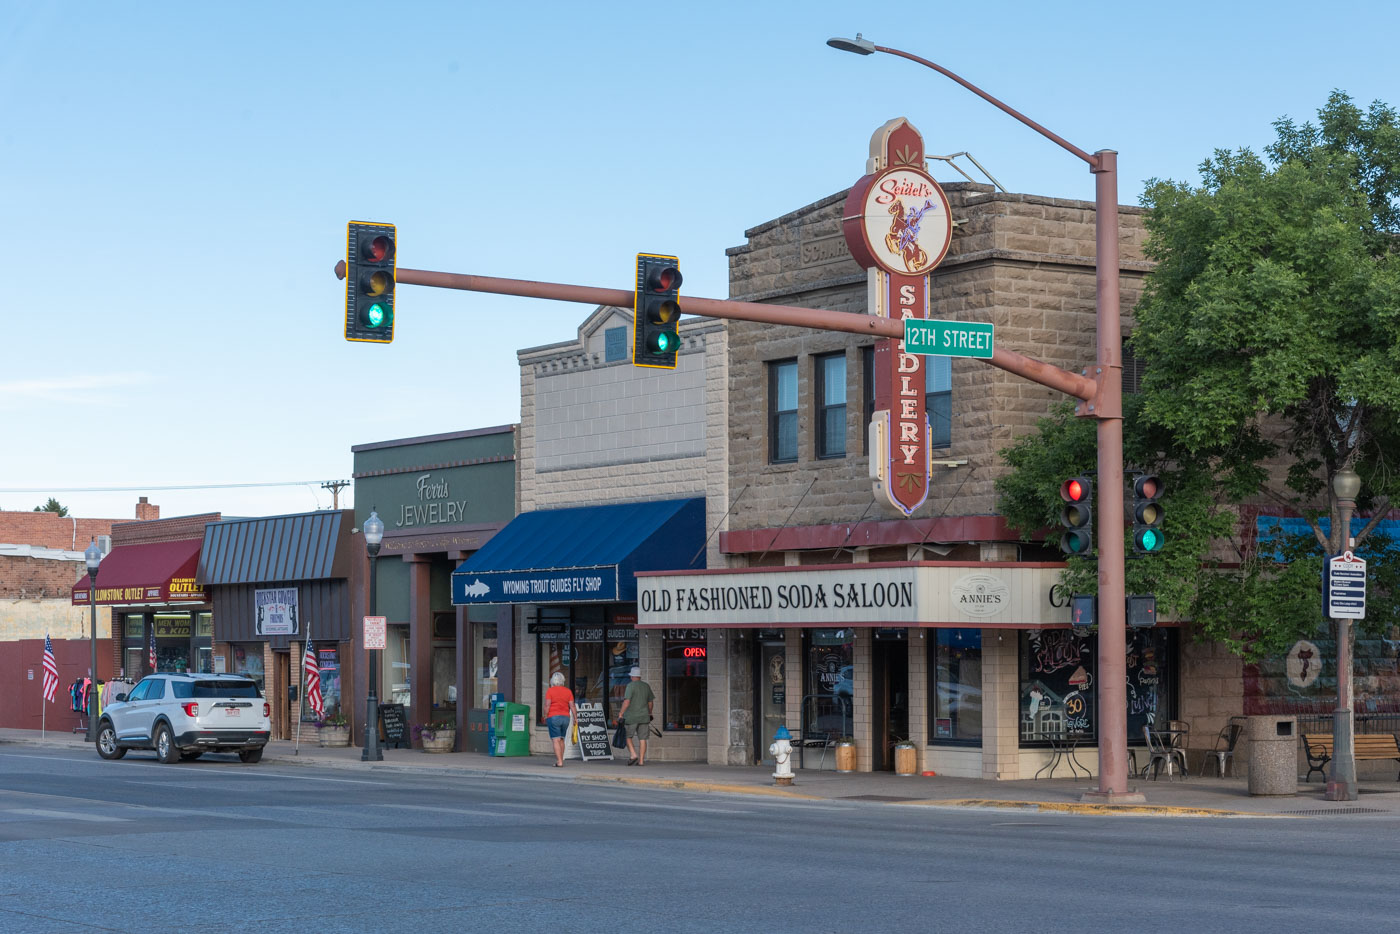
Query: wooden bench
column 1318, row 747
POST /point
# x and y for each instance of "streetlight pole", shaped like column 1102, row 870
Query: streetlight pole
column 93, row 557
column 1107, row 408
column 1346, row 484
column 374, row 536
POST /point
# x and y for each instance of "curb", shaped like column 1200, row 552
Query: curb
column 1122, row 810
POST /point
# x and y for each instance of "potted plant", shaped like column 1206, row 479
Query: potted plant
column 846, row 754
column 333, row 730
column 906, row 757
column 436, row 737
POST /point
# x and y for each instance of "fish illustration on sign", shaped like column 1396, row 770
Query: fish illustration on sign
column 477, row 589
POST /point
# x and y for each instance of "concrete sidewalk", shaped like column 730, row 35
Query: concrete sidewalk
column 1194, row 796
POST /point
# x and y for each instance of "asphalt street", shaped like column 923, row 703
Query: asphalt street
column 134, row 845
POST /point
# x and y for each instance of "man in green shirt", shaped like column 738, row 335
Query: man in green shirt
column 636, row 714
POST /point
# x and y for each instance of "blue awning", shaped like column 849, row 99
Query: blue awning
column 587, row 554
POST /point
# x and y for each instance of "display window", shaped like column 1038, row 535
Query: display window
column 685, row 680
column 248, row 660
column 1059, row 693
column 955, row 689
column 484, row 655
column 397, row 669
column 328, row 662
column 594, row 655
column 830, row 680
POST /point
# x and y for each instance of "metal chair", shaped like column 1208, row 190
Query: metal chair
column 1180, row 738
column 1223, row 755
column 1162, row 752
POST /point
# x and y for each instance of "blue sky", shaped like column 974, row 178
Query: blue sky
column 177, row 179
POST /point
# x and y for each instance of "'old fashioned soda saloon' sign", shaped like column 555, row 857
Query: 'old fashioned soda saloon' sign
column 898, row 226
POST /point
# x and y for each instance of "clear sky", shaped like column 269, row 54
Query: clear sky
column 177, row 178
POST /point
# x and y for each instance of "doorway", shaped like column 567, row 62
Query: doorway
column 770, row 693
column 889, row 696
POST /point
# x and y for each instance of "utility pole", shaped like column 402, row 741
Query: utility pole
column 335, row 486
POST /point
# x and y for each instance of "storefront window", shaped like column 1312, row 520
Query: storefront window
column 955, row 669
column 484, row 653
column 685, row 681
column 204, row 642
column 173, row 632
column 397, row 667
column 133, row 629
column 248, row 660
column 1059, row 692
column 830, row 680
column 594, row 657
column 328, row 660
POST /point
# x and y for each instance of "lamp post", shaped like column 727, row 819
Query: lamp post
column 374, row 536
column 1107, row 409
column 93, row 557
column 1342, row 785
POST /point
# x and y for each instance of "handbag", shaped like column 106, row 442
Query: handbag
column 620, row 736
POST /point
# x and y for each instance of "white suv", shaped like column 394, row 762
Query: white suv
column 184, row 716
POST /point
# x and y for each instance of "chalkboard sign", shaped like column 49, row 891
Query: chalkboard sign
column 393, row 726
column 594, row 737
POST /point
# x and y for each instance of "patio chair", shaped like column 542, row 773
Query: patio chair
column 1162, row 752
column 1223, row 755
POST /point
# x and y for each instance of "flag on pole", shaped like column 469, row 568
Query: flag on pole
column 50, row 670
column 313, row 681
column 152, row 658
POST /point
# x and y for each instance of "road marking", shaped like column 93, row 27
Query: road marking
column 439, row 810
column 66, row 815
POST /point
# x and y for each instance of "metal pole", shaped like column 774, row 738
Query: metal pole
column 372, row 752
column 92, row 697
column 1342, row 784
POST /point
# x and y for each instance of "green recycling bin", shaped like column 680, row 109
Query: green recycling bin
column 512, row 730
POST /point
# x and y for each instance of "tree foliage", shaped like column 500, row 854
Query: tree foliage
column 52, row 505
column 1270, row 326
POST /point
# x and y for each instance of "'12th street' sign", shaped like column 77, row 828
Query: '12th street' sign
column 948, row 338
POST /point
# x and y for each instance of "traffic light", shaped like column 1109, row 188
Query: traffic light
column 1142, row 610
column 1147, row 515
column 370, row 251
column 1077, row 516
column 656, row 312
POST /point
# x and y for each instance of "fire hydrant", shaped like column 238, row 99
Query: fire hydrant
column 781, row 750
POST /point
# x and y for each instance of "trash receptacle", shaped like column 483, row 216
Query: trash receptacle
column 512, row 730
column 1273, row 755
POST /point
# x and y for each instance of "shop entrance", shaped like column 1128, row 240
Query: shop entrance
column 889, row 696
column 770, row 692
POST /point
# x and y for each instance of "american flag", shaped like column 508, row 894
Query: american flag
column 152, row 658
column 313, row 681
column 50, row 670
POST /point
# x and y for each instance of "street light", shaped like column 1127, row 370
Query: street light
column 374, row 535
column 1346, row 483
column 1107, row 409
column 93, row 557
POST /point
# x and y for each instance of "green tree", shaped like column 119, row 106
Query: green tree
column 52, row 505
column 1271, row 330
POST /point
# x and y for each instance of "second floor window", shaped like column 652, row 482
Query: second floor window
column 938, row 399
column 831, row 405
column 782, row 411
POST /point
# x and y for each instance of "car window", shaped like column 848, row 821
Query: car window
column 139, row 692
column 219, row 688
column 156, row 690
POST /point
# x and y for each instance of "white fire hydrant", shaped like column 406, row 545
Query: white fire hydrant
column 781, row 750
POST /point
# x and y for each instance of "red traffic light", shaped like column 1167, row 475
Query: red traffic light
column 1075, row 490
column 663, row 278
column 376, row 249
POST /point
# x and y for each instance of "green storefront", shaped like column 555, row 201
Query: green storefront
column 440, row 497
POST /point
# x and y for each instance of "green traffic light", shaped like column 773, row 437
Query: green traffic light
column 663, row 342
column 374, row 317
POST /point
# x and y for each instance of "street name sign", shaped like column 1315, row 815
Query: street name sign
column 1344, row 587
column 930, row 336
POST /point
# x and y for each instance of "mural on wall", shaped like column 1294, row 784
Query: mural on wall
column 1304, row 681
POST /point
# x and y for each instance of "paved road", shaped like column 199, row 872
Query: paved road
column 135, row 846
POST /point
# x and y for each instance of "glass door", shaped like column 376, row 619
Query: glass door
column 770, row 684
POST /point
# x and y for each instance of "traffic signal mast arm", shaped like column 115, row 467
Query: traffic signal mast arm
column 1073, row 384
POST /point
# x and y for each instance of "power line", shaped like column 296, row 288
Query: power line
column 142, row 488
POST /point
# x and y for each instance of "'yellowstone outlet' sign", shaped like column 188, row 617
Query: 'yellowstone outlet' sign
column 898, row 226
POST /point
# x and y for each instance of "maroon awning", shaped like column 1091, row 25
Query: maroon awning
column 163, row 572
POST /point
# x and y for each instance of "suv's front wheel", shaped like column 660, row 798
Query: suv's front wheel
column 107, row 746
column 166, row 750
